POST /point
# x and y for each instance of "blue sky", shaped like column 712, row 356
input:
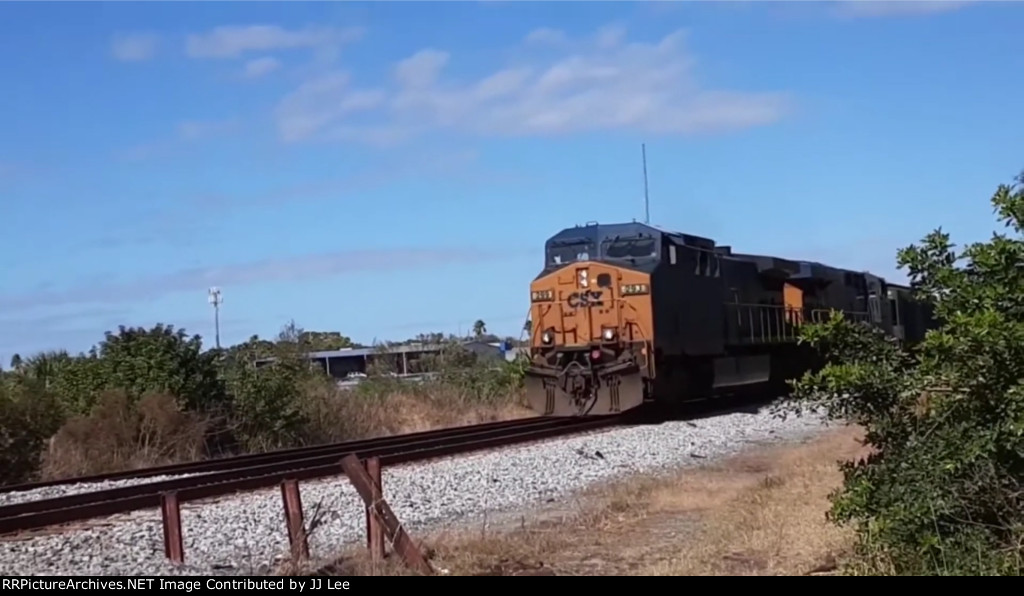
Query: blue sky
column 385, row 169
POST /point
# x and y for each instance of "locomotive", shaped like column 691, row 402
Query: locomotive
column 625, row 314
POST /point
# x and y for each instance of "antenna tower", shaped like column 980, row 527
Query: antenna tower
column 647, row 204
column 216, row 300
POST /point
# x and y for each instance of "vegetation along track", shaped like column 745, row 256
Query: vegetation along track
column 262, row 471
column 225, row 464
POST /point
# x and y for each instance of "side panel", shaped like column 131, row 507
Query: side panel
column 793, row 298
column 915, row 318
column 896, row 308
column 688, row 303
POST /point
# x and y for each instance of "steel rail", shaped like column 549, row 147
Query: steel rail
column 281, row 455
column 300, row 459
column 60, row 510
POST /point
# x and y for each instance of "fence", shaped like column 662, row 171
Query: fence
column 381, row 522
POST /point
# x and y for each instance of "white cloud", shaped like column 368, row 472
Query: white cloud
column 295, row 268
column 261, row 67
column 191, row 130
column 545, row 35
column 185, row 131
column 888, row 8
column 134, row 47
column 610, row 36
column 601, row 83
column 322, row 101
column 421, row 69
column 231, row 41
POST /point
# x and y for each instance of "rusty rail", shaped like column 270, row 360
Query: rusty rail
column 174, row 546
column 293, row 518
column 385, row 445
column 283, row 455
column 374, row 529
column 60, row 510
column 365, row 477
column 371, row 491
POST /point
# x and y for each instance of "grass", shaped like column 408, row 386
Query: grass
column 120, row 435
column 63, row 416
column 759, row 513
column 407, row 408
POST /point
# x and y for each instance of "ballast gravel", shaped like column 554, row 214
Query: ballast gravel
column 53, row 492
column 245, row 534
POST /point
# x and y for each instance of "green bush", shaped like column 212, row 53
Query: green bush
column 267, row 408
column 151, row 396
column 29, row 416
column 941, row 493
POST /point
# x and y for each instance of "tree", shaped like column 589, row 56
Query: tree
column 248, row 352
column 941, row 492
column 479, row 328
column 29, row 415
column 139, row 361
column 45, row 366
column 266, row 405
column 16, row 362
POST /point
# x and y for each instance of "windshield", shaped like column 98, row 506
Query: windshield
column 629, row 248
column 568, row 252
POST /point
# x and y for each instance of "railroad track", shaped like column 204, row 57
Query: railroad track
column 229, row 475
column 283, row 455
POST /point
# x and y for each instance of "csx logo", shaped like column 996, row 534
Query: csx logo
column 582, row 299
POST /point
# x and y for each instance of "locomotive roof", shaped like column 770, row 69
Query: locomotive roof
column 793, row 268
column 595, row 232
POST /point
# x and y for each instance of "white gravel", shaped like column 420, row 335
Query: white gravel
column 52, row 492
column 245, row 534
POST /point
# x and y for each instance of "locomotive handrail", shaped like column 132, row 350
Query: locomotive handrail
column 778, row 322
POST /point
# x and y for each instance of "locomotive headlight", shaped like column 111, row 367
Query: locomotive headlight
column 542, row 296
column 608, row 334
column 547, row 337
column 635, row 289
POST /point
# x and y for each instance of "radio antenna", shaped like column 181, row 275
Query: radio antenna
column 647, row 204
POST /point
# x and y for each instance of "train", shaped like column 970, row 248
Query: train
column 628, row 314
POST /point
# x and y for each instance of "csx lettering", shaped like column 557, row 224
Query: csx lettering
column 578, row 299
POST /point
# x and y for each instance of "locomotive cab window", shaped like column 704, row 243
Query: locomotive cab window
column 637, row 247
column 703, row 263
column 561, row 253
column 875, row 306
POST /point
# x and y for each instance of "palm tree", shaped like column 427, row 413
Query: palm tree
column 44, row 366
column 479, row 328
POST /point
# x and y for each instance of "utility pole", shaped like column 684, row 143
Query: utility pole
column 647, row 205
column 216, row 301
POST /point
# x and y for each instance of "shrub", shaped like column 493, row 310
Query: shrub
column 941, row 493
column 463, row 390
column 29, row 415
column 147, row 397
column 267, row 411
column 121, row 433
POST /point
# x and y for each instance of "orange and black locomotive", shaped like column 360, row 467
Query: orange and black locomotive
column 628, row 313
